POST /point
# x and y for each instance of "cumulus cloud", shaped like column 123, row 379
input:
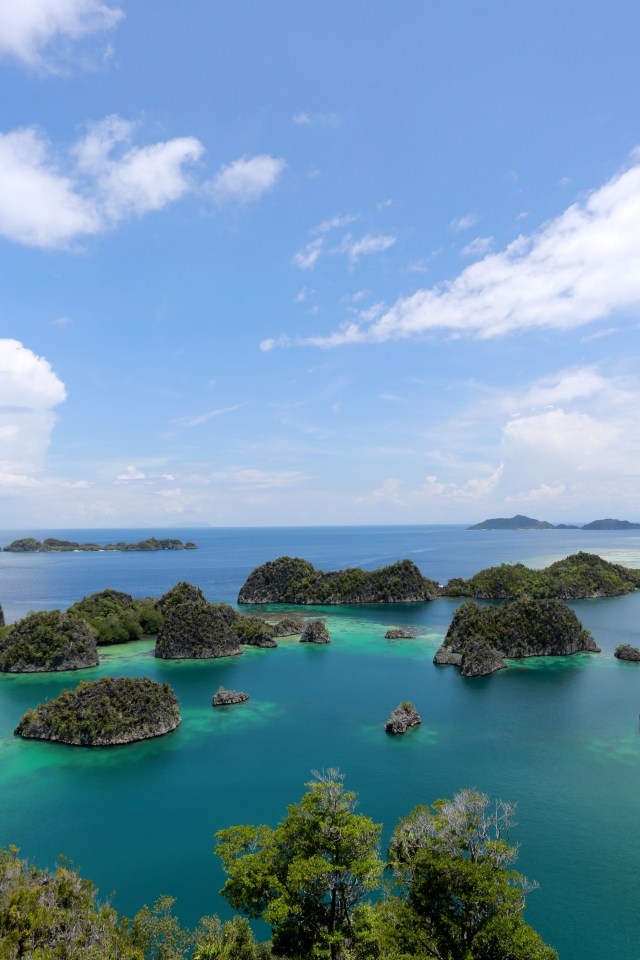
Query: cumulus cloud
column 131, row 473
column 43, row 204
column 578, row 268
column 400, row 494
column 247, row 179
column 28, row 27
column 29, row 393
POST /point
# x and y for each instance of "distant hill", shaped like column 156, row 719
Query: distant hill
column 611, row 525
column 519, row 522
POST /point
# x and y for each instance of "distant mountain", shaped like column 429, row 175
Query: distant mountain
column 610, row 524
column 519, row 522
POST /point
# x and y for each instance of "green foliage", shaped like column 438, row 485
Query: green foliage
column 196, row 629
column 180, row 593
column 458, row 895
column 115, row 617
column 49, row 640
column 579, row 575
column 103, row 712
column 292, row 580
column 53, row 545
column 309, row 875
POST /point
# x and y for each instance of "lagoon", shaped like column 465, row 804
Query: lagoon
column 558, row 736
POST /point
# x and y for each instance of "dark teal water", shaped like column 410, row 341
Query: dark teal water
column 558, row 736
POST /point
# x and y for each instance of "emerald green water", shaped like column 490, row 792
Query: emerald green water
column 558, row 736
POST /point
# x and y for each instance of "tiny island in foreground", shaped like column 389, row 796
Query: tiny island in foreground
column 105, row 712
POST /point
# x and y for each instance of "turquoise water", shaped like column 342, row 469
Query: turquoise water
column 559, row 737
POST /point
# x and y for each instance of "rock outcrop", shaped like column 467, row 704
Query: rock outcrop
column 105, row 712
column 48, row 641
column 287, row 627
column 315, row 631
column 400, row 633
column 253, row 631
column 195, row 630
column 1, row 618
column 292, row 580
column 224, row 697
column 626, row 652
column 404, row 716
column 479, row 638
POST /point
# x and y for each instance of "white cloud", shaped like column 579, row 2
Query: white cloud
column 43, row 205
column 132, row 473
column 463, row 223
column 247, row 179
column 29, row 392
column 334, row 223
column 209, row 415
column 397, row 492
column 307, row 258
column 578, row 268
column 304, row 118
column 27, row 27
column 250, row 477
column 478, row 247
column 370, row 243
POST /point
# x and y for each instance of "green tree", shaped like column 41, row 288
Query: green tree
column 459, row 896
column 309, row 875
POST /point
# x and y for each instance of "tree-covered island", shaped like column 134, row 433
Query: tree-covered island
column 479, row 638
column 54, row 545
column 48, row 641
column 293, row 580
column 105, row 712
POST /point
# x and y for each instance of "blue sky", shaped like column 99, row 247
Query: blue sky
column 298, row 263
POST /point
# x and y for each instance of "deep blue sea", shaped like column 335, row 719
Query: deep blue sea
column 560, row 737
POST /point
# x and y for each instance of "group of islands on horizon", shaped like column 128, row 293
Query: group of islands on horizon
column 533, row 621
column 520, row 522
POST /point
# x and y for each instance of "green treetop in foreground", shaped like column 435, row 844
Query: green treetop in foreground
column 455, row 894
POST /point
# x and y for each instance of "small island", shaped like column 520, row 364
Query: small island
column 315, row 631
column 115, row 617
column 626, row 652
column 53, row 545
column 579, row 576
column 225, row 698
column 400, row 633
column 520, row 522
column 104, row 713
column 194, row 629
column 293, row 580
column 404, row 716
column 479, row 638
column 48, row 641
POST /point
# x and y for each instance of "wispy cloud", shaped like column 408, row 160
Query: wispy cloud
column 580, row 267
column 370, row 243
column 463, row 223
column 478, row 247
column 28, row 27
column 247, row 179
column 306, row 118
column 209, row 415
column 308, row 256
column 335, row 223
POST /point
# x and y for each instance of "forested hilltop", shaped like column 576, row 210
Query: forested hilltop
column 53, row 545
column 520, row 522
column 293, row 580
column 317, row 880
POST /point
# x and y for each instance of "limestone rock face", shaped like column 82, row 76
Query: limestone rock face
column 626, row 652
column 292, row 580
column 225, row 697
column 315, row 632
column 48, row 641
column 196, row 631
column 404, row 716
column 105, row 712
column 481, row 637
column 287, row 627
column 400, row 633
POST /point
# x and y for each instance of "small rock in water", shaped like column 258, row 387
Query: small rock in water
column 404, row 716
column 400, row 633
column 315, row 632
column 225, row 697
column 626, row 652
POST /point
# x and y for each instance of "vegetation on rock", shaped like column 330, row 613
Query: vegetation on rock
column 292, row 580
column 315, row 631
column 578, row 576
column 254, row 631
column 115, row 617
column 196, row 630
column 53, row 545
column 404, row 716
column 104, row 712
column 400, row 633
column 626, row 652
column 179, row 593
column 225, row 697
column 519, row 522
column 479, row 638
column 49, row 640
column 287, row 627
